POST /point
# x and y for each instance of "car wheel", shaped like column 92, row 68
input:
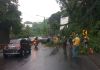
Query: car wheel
column 29, row 51
column 22, row 53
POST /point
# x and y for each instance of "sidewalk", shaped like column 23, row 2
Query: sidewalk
column 84, row 62
column 95, row 59
column 89, row 62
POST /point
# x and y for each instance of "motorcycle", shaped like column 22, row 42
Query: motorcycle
column 35, row 45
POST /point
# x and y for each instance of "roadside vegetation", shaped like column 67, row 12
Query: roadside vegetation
column 82, row 14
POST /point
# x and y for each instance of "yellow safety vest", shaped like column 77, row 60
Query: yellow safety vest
column 76, row 41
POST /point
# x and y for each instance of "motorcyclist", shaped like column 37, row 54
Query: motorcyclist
column 35, row 42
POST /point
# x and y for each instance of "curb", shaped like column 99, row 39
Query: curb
column 93, row 60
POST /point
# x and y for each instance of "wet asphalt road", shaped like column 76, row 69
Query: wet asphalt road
column 44, row 60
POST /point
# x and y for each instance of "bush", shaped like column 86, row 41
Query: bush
column 95, row 44
column 50, row 44
column 83, row 50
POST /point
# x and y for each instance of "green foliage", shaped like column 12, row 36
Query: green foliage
column 37, row 29
column 94, row 43
column 40, row 28
column 50, row 44
column 25, row 32
column 54, row 22
column 83, row 14
column 83, row 50
column 9, row 18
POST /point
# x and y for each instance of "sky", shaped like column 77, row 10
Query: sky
column 43, row 8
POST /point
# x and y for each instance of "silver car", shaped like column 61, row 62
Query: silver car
column 12, row 48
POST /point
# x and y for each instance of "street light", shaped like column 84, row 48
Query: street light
column 42, row 17
column 43, row 21
column 39, row 15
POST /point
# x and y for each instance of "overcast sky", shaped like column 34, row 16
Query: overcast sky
column 31, row 8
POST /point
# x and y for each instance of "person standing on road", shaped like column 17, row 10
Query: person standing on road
column 85, row 41
column 70, row 41
column 75, row 48
column 69, row 46
column 56, row 41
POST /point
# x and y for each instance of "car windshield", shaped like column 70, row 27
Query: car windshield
column 14, row 41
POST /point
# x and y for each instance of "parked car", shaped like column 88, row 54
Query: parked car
column 44, row 39
column 14, row 48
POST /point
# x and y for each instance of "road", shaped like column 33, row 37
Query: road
column 44, row 60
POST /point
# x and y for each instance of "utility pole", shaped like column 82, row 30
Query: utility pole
column 44, row 22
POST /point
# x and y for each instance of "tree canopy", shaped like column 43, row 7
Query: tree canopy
column 9, row 19
column 83, row 14
column 54, row 23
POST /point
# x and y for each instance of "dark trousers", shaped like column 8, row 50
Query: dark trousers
column 64, row 49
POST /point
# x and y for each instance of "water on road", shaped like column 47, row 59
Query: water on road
column 44, row 60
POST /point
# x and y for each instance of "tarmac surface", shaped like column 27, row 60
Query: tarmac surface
column 44, row 59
